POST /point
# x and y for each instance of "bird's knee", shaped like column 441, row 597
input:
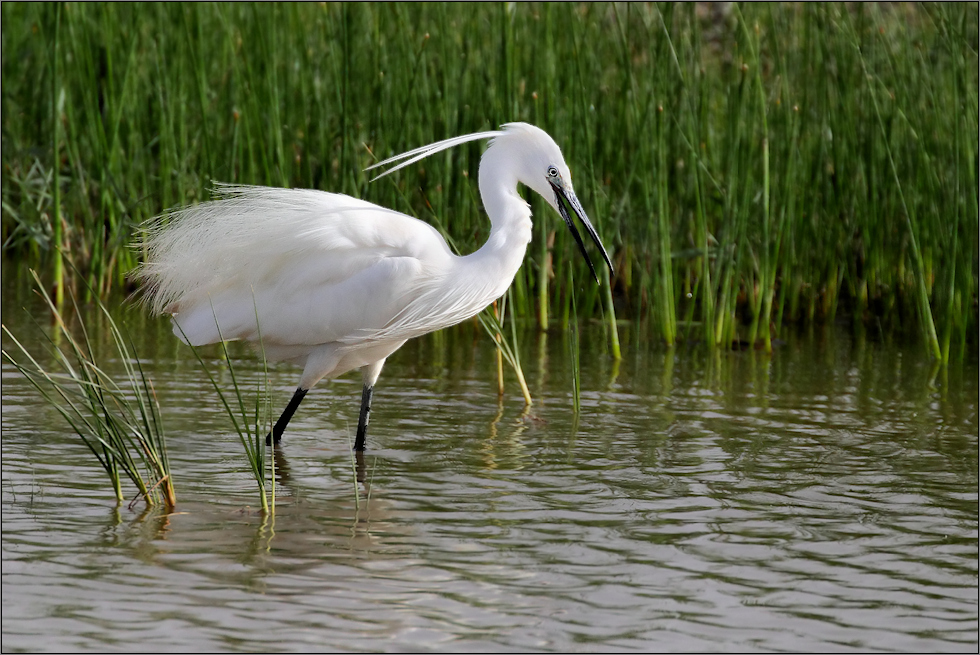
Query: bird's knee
column 319, row 364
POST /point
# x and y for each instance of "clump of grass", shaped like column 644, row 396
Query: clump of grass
column 119, row 421
column 251, row 421
column 492, row 319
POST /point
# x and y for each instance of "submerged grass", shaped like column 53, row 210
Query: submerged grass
column 749, row 167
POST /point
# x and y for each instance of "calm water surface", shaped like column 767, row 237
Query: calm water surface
column 824, row 498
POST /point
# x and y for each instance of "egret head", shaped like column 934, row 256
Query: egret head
column 541, row 167
column 534, row 159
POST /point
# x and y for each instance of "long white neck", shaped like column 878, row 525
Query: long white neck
column 510, row 219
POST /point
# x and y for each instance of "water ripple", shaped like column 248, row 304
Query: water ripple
column 801, row 503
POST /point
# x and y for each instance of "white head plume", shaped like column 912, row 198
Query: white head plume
column 431, row 149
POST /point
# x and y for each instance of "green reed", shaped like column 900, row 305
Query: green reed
column 492, row 320
column 252, row 421
column 119, row 421
column 749, row 169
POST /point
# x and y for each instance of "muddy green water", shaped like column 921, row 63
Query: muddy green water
column 821, row 499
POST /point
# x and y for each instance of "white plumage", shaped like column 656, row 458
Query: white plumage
column 335, row 283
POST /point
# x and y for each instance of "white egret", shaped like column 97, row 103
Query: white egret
column 334, row 283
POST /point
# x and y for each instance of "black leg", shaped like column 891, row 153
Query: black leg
column 280, row 426
column 362, row 421
column 359, row 462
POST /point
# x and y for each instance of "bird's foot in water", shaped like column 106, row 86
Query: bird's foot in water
column 359, row 466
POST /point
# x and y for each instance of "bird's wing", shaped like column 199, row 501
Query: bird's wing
column 301, row 267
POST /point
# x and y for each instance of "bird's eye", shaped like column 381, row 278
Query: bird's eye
column 552, row 171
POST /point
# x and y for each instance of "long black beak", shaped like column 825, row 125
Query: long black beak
column 576, row 206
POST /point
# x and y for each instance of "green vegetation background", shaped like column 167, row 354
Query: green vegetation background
column 748, row 166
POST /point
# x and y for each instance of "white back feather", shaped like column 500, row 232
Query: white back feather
column 250, row 233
